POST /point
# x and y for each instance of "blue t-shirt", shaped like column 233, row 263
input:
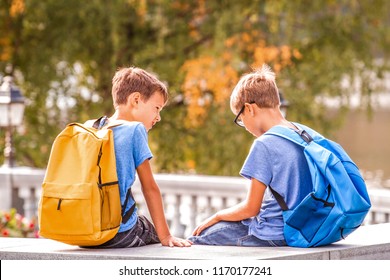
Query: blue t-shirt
column 131, row 149
column 281, row 164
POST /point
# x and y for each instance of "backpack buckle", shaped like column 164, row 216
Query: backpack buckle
column 305, row 136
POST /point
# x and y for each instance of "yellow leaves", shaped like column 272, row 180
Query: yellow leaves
column 210, row 79
column 246, row 38
column 279, row 57
column 17, row 8
column 251, row 42
column 207, row 79
column 297, row 54
column 191, row 165
column 198, row 16
column 229, row 42
column 245, row 41
column 141, row 7
column 6, row 50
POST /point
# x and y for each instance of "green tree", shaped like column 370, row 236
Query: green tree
column 63, row 55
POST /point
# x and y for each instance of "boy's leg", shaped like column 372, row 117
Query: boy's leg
column 231, row 234
column 143, row 233
column 222, row 233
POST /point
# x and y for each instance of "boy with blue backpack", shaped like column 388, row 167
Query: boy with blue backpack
column 293, row 197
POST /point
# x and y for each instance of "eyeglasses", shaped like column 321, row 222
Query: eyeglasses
column 237, row 119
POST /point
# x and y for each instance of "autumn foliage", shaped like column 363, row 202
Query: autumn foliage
column 63, row 54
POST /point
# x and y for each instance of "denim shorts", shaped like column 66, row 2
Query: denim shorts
column 143, row 233
column 232, row 234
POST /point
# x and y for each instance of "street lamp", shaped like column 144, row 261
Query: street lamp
column 11, row 115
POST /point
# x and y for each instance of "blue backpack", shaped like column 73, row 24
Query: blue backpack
column 339, row 201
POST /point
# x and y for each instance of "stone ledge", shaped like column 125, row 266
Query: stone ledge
column 367, row 242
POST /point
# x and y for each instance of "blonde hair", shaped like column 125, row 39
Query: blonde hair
column 133, row 79
column 257, row 87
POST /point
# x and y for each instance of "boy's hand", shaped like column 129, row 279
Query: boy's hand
column 172, row 241
column 205, row 224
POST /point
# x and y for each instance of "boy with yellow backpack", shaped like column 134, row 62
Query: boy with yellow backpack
column 138, row 99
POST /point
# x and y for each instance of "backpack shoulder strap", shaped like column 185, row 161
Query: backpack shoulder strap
column 300, row 136
column 99, row 123
column 104, row 123
column 279, row 199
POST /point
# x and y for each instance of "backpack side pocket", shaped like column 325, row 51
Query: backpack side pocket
column 111, row 206
column 308, row 217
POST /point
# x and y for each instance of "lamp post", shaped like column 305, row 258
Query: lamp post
column 11, row 115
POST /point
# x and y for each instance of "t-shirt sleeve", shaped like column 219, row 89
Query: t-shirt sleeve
column 141, row 148
column 257, row 164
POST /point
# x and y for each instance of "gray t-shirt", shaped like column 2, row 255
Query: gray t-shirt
column 281, row 164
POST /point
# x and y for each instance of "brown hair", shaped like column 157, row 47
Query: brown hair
column 133, row 79
column 258, row 87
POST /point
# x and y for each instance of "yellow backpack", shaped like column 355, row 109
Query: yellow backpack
column 80, row 201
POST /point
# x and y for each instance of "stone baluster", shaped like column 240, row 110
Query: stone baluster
column 386, row 217
column 29, row 201
column 6, row 188
column 167, row 208
column 373, row 217
column 209, row 207
column 193, row 214
column 224, row 202
column 177, row 228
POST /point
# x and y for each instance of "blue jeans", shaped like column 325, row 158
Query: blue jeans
column 232, row 234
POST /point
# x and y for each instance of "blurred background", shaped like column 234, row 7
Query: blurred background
column 331, row 59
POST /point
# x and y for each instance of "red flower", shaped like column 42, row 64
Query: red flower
column 13, row 224
column 7, row 217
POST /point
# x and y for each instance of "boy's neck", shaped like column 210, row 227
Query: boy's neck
column 286, row 123
column 121, row 115
column 275, row 117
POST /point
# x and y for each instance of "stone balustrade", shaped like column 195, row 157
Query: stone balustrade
column 188, row 199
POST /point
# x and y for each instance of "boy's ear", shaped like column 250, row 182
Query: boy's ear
column 251, row 110
column 134, row 98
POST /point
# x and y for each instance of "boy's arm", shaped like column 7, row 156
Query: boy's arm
column 154, row 202
column 245, row 209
